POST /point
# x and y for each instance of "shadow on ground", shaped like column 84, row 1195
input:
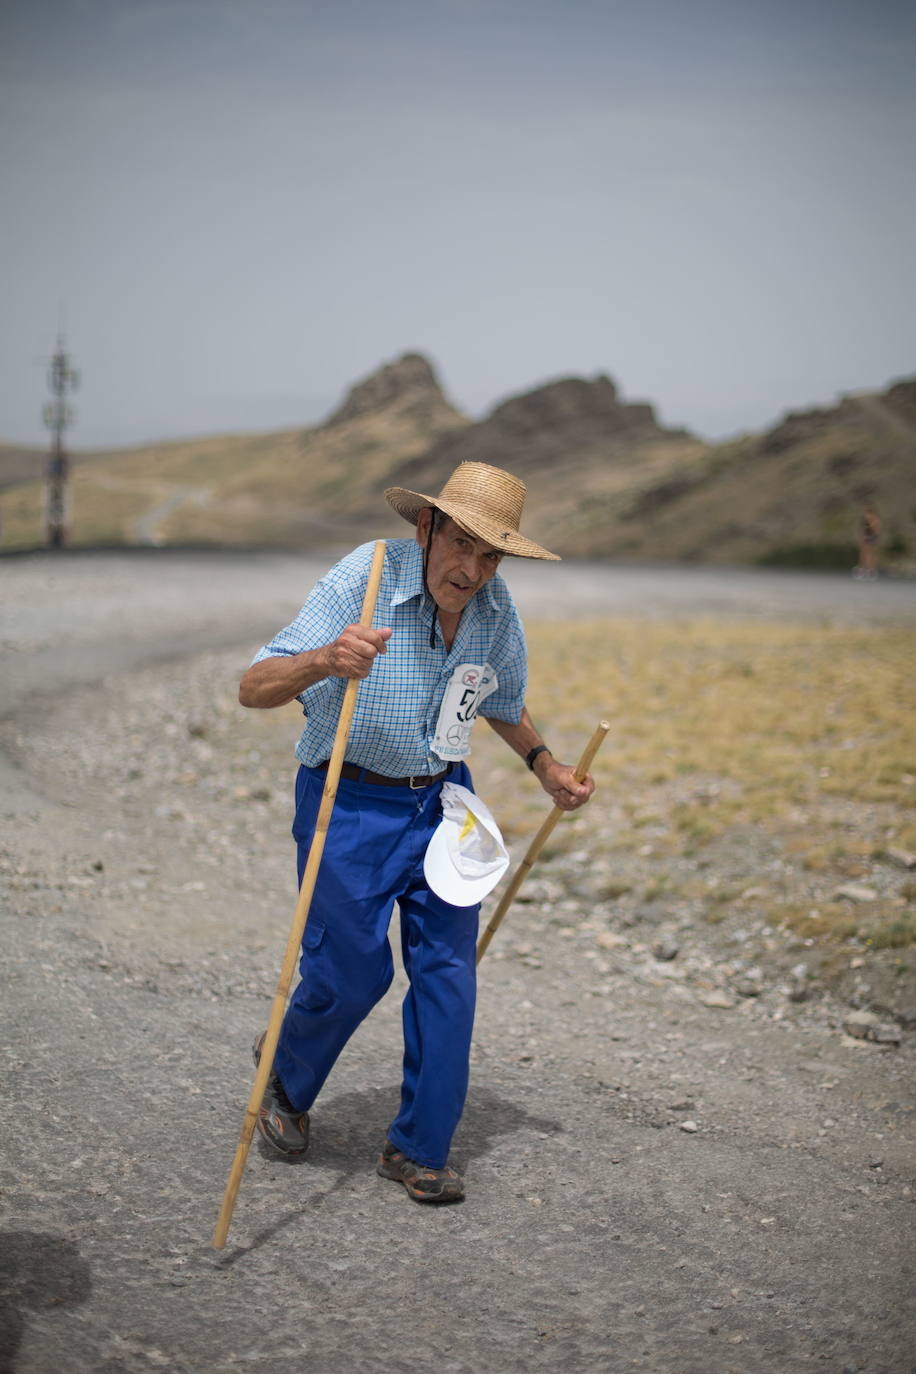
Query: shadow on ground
column 37, row 1271
column 351, row 1131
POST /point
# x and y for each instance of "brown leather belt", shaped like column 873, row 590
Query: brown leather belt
column 354, row 773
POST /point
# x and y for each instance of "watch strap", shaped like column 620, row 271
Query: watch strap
column 533, row 753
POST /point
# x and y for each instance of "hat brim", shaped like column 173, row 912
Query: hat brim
column 409, row 504
column 444, row 878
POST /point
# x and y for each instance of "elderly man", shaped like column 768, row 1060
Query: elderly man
column 446, row 645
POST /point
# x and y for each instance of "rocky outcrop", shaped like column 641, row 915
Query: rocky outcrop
column 407, row 386
column 571, row 420
column 573, row 405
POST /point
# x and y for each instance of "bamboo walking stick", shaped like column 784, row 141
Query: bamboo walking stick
column 269, row 1046
column 534, row 849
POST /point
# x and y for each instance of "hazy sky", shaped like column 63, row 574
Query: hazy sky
column 246, row 205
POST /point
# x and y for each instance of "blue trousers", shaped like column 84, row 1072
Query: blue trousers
column 373, row 857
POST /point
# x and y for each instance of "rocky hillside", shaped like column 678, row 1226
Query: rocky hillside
column 792, row 496
column 19, row 464
column 605, row 478
column 579, row 449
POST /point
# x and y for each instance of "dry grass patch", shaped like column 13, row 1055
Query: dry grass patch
column 882, row 928
column 831, row 918
column 787, row 715
column 720, row 729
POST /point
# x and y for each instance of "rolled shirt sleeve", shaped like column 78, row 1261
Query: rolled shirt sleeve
column 328, row 610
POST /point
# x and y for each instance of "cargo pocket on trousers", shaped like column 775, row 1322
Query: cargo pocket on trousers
column 318, row 991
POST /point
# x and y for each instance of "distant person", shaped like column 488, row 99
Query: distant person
column 869, row 531
column 446, row 645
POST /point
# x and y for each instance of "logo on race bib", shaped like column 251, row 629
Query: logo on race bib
column 469, row 685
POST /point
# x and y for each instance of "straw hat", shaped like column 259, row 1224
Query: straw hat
column 485, row 501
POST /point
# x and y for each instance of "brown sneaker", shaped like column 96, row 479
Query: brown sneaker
column 422, row 1184
column 280, row 1123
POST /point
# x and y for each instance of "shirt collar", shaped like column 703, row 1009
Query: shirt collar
column 410, row 574
column 410, row 582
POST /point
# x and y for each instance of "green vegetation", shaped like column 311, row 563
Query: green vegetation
column 813, row 557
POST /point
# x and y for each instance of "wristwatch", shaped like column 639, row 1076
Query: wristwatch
column 533, row 753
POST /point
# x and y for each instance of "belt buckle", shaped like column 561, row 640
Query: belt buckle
column 416, row 786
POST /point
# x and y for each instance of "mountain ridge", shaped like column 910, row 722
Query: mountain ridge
column 605, row 479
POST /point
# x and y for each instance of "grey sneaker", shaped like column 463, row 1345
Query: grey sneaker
column 280, row 1123
column 422, row 1184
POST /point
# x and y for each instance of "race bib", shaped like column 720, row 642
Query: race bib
column 469, row 685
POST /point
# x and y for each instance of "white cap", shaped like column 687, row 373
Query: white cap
column 466, row 857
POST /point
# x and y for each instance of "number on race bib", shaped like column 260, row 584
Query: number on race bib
column 469, row 685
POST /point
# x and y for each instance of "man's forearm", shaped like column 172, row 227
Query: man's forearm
column 557, row 779
column 522, row 737
column 275, row 681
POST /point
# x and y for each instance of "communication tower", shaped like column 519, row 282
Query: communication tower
column 58, row 416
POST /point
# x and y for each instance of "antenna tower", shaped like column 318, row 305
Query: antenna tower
column 58, row 416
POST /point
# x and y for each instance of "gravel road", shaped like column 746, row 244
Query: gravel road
column 662, row 1174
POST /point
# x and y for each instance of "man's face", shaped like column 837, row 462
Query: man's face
column 459, row 563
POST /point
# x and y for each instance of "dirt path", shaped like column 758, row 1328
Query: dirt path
column 146, row 528
column 662, row 1175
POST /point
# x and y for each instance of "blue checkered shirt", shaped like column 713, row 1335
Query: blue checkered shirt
column 398, row 703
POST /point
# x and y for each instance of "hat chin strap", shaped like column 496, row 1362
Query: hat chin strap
column 426, row 553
